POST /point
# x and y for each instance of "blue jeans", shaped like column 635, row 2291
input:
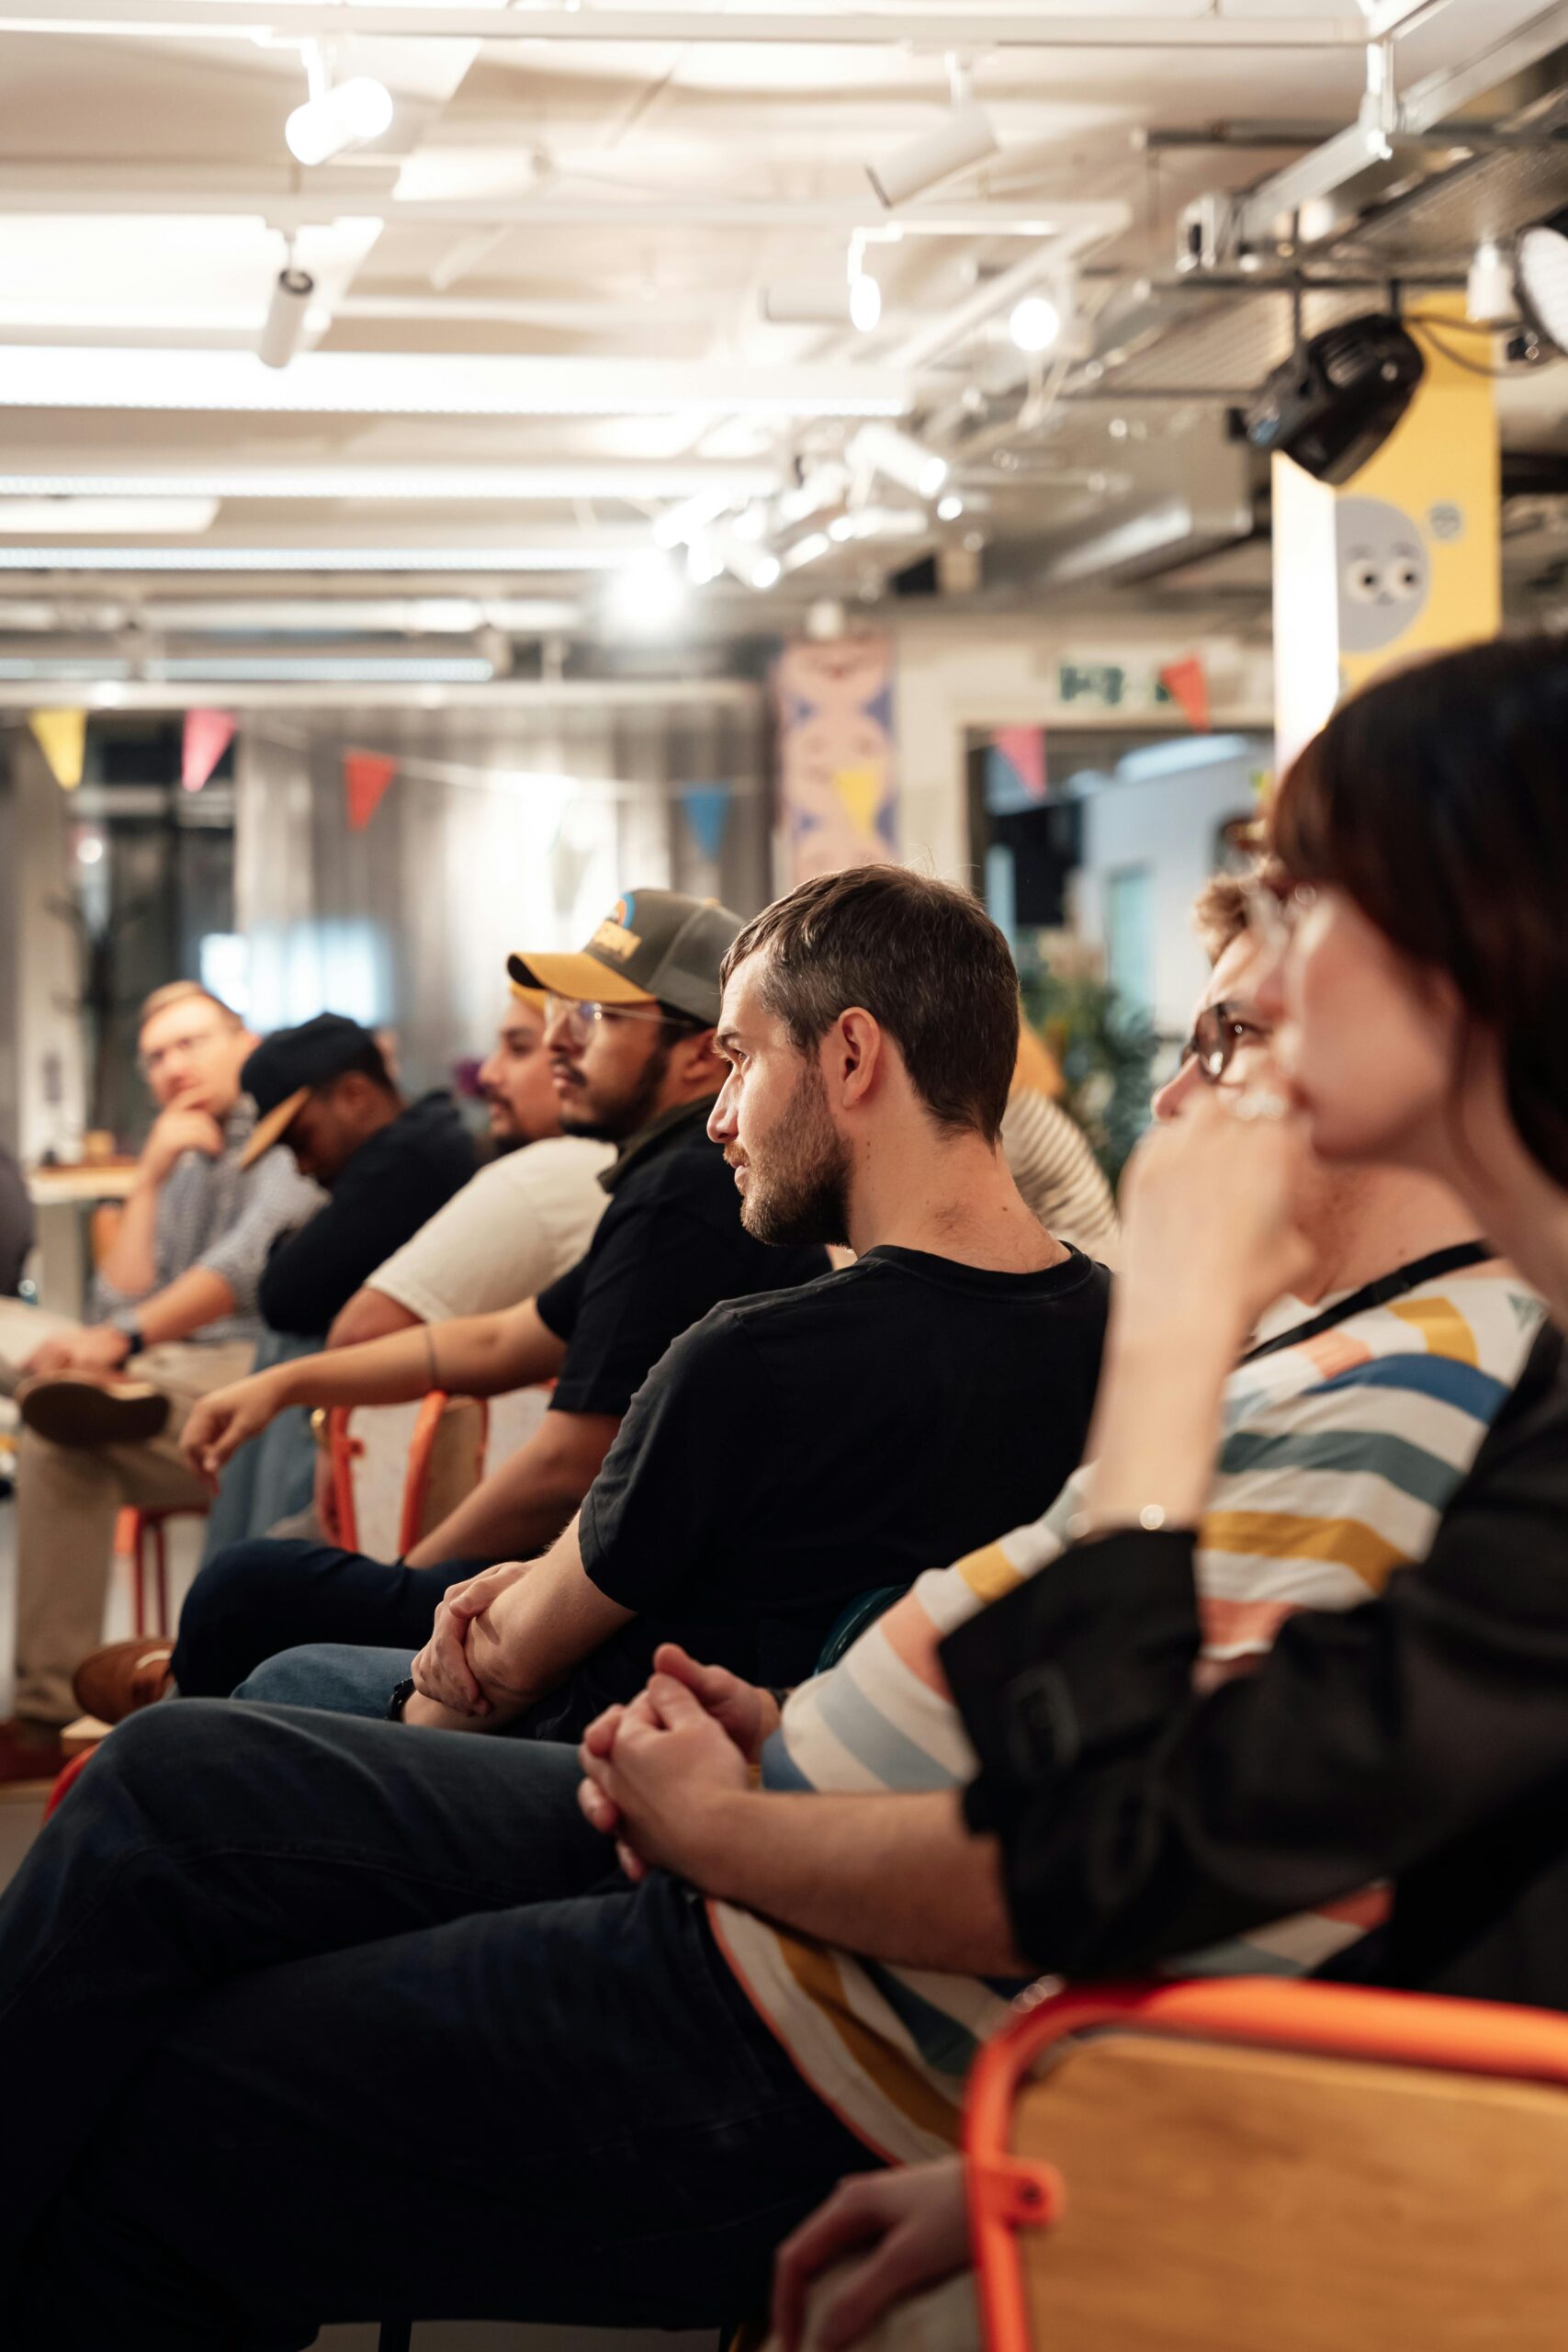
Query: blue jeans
column 333, row 1675
column 255, row 1599
column 315, row 2019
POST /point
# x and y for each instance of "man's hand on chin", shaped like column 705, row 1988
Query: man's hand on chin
column 665, row 1779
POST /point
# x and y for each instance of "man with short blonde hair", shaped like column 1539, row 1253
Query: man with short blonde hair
column 175, row 1297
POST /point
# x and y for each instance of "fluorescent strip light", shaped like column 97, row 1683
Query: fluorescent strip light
column 350, row 559
column 615, row 478
column 278, row 669
column 807, row 551
column 100, row 515
column 405, row 383
column 345, row 616
column 88, row 670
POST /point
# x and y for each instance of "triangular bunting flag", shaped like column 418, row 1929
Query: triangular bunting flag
column 708, row 813
column 62, row 739
column 208, row 736
column 366, row 775
column 860, row 789
column 1186, row 684
column 1024, row 749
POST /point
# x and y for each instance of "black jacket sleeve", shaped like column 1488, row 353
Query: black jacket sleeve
column 382, row 1197
column 1140, row 1821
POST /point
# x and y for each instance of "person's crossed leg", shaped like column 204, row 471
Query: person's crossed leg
column 317, row 2020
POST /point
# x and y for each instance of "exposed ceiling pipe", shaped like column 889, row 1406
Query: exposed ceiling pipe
column 837, row 216
column 224, row 20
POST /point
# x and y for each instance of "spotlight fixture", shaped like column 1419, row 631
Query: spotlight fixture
column 1489, row 288
column 681, row 526
column 883, row 449
column 752, row 523
column 963, row 139
column 1034, row 323
column 331, row 119
column 1339, row 396
column 286, row 315
column 865, row 303
column 1541, row 275
column 703, row 562
column 766, row 572
column 815, row 544
column 950, row 508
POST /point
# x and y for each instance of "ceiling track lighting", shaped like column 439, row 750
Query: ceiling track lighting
column 883, row 449
column 963, row 139
column 1034, row 324
column 333, row 119
column 283, row 329
column 1540, row 281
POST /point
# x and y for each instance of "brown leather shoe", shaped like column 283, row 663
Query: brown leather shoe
column 92, row 1408
column 122, row 1677
column 29, row 1752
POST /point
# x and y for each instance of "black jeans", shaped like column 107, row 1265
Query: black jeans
column 252, row 1599
column 312, row 2018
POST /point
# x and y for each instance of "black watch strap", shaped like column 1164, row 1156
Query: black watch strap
column 134, row 1342
column 400, row 1699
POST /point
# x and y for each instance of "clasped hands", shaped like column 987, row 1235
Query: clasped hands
column 662, row 1776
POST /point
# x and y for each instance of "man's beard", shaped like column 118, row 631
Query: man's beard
column 804, row 1196
column 618, row 1122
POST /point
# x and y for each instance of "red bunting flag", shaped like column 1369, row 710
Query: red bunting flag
column 366, row 775
column 1024, row 749
column 1186, row 684
column 208, row 736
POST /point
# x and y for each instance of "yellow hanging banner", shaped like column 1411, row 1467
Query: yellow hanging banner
column 62, row 739
column 1403, row 558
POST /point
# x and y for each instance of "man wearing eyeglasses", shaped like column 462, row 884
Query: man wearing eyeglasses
column 103, row 1405
column 629, row 1028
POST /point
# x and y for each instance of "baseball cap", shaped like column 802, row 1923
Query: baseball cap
column 653, row 947
column 284, row 1067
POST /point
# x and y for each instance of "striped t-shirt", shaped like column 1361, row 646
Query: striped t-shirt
column 1338, row 1459
column 1051, row 1162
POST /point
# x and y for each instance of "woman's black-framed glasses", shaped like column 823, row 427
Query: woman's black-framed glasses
column 1218, row 1033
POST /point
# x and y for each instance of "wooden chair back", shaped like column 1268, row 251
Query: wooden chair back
column 1272, row 2167
column 398, row 1471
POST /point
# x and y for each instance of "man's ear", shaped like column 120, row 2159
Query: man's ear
column 695, row 1059
column 854, row 1055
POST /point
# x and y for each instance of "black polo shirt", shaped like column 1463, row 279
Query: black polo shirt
column 669, row 1246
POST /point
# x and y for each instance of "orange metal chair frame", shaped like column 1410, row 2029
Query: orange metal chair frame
column 345, row 1449
column 1008, row 2194
column 133, row 1529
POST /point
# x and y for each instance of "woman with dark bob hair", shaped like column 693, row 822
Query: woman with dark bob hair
column 1417, row 899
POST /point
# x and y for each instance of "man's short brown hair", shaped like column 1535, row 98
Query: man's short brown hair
column 924, row 958
column 1219, row 913
column 177, row 992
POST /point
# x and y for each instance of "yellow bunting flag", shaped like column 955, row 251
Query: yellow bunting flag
column 860, row 791
column 62, row 739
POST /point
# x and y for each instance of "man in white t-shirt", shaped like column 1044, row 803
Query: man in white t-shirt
column 515, row 1226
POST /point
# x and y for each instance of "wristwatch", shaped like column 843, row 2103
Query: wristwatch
column 134, row 1342
column 400, row 1699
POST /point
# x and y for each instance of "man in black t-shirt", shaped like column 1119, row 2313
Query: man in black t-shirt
column 630, row 1037
column 324, row 1091
column 794, row 1451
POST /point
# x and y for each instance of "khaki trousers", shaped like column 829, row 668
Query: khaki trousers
column 67, row 1499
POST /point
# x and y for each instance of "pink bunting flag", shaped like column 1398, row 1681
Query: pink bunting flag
column 208, row 736
column 1186, row 684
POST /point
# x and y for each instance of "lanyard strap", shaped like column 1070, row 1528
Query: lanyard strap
column 1396, row 1285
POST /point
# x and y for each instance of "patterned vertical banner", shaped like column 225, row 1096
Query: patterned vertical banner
column 838, row 781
